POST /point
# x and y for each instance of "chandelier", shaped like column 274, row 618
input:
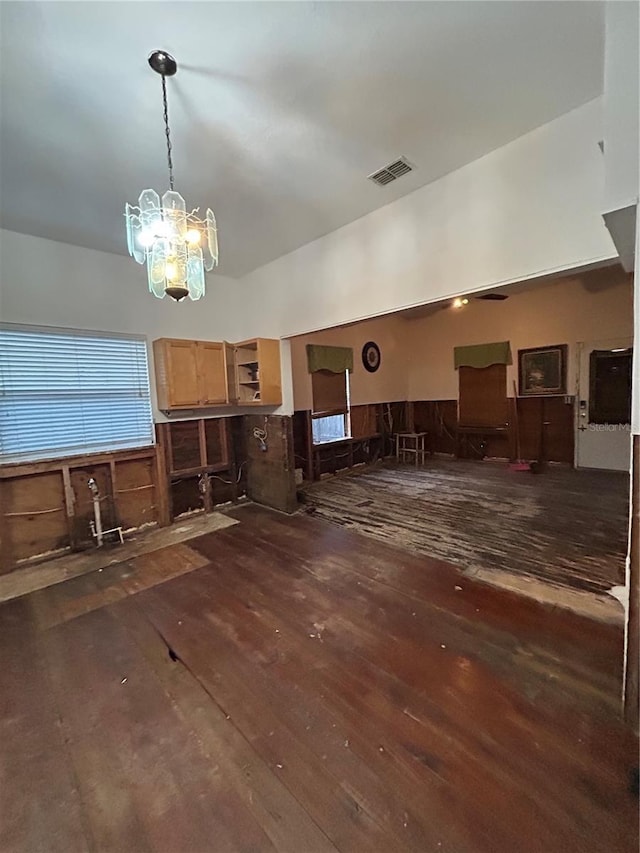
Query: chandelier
column 176, row 246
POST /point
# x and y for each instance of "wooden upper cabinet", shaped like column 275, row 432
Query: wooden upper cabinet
column 191, row 374
column 197, row 374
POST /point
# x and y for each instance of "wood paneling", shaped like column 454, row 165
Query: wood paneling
column 135, row 493
column 303, row 442
column 438, row 418
column 363, row 421
column 547, row 429
column 35, row 520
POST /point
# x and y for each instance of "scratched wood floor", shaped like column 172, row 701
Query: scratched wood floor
column 288, row 685
column 565, row 527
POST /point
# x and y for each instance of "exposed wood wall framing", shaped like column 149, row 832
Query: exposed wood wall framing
column 631, row 697
column 372, row 428
column 46, row 507
column 202, row 463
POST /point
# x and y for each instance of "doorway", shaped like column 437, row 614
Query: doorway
column 603, row 420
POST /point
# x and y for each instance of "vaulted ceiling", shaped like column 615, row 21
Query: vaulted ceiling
column 279, row 111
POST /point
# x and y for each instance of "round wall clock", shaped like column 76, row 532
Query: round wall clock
column 371, row 356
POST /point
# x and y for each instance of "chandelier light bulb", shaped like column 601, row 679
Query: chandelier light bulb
column 176, row 246
column 146, row 239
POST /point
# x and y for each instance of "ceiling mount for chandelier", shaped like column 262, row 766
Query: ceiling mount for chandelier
column 176, row 246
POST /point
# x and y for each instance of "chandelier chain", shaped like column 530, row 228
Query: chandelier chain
column 167, row 131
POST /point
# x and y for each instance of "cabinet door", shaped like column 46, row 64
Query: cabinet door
column 182, row 377
column 212, row 372
column 270, row 378
column 230, row 369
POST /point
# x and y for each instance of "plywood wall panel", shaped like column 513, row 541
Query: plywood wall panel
column 34, row 516
column 135, row 493
column 363, row 421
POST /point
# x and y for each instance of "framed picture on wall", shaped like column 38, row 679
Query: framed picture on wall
column 542, row 371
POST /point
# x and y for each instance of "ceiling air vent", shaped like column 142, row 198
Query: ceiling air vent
column 391, row 172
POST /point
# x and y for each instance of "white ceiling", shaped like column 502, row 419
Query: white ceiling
column 278, row 112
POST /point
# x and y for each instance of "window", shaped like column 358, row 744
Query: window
column 64, row 392
column 329, row 428
column 331, row 406
column 610, row 391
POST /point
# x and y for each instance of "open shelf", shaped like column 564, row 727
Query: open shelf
column 258, row 372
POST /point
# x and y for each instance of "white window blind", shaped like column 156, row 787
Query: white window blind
column 64, row 392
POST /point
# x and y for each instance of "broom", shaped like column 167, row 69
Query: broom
column 519, row 464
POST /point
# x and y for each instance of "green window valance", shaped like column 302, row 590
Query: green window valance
column 482, row 355
column 333, row 359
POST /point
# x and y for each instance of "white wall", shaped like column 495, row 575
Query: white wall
column 530, row 208
column 621, row 104
column 43, row 282
column 389, row 383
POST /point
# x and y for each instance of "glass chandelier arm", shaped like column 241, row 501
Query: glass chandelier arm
column 156, row 266
column 211, row 241
column 134, row 229
column 195, row 273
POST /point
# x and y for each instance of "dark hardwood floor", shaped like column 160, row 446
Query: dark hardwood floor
column 304, row 688
column 566, row 528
